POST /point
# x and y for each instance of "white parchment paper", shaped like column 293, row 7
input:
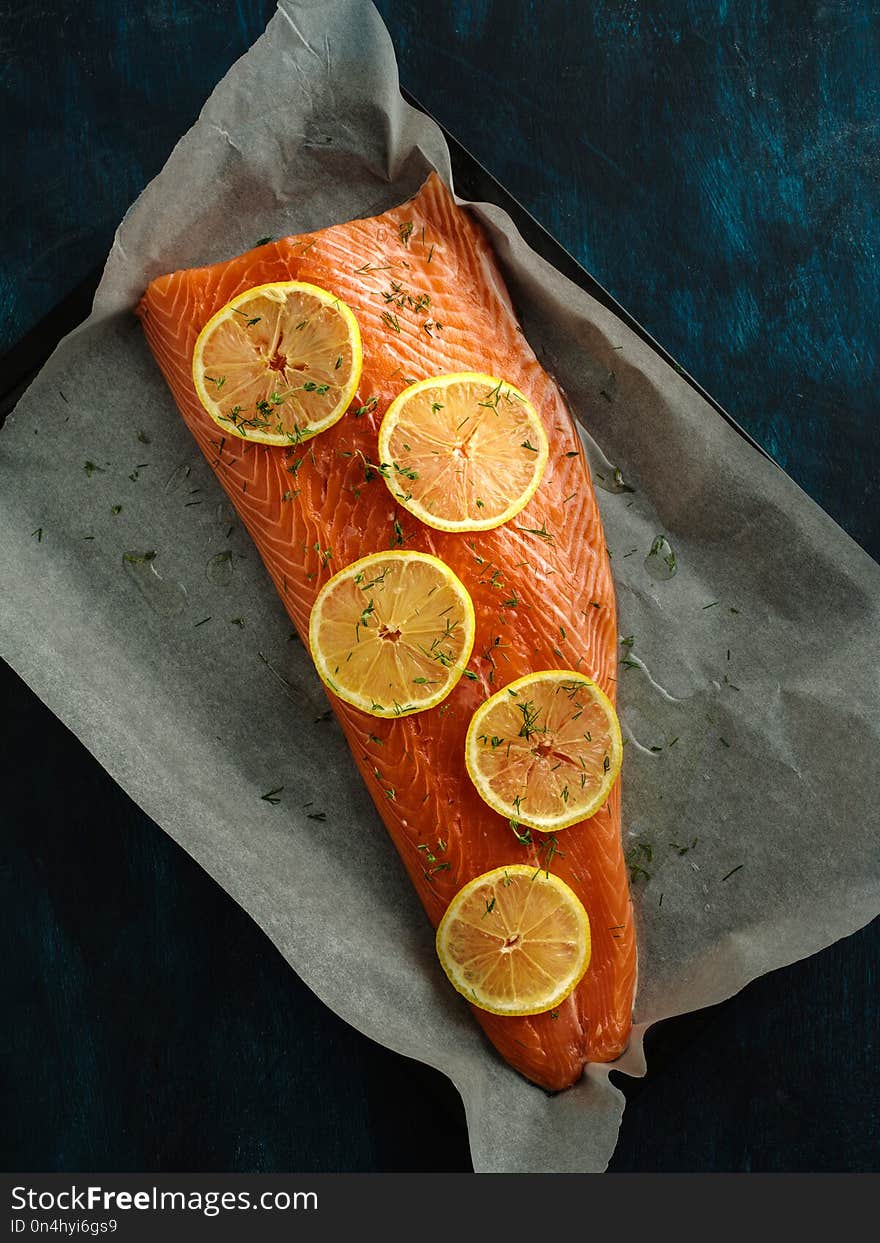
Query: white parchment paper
column 749, row 692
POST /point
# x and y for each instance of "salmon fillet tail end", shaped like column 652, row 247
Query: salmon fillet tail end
column 541, row 584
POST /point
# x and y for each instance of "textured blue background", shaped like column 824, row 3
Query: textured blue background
column 715, row 165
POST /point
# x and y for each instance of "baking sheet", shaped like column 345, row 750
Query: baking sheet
column 749, row 696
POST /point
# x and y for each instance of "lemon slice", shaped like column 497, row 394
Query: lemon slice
column 462, row 452
column 515, row 940
column 546, row 750
column 392, row 632
column 279, row 363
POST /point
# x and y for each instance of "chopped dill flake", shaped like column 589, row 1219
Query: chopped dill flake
column 391, row 320
column 91, row 467
column 524, row 839
column 367, row 407
column 551, row 845
column 636, row 857
column 540, row 531
column 405, row 231
column 271, row 796
column 116, row 509
column 143, row 438
column 531, row 448
column 492, row 398
column 372, row 267
column 530, row 716
column 263, row 241
column 237, row 621
column 39, row 534
column 733, row 872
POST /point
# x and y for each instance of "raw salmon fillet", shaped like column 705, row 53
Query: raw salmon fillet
column 540, row 602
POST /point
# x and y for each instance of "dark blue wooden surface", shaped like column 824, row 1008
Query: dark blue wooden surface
column 715, row 166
